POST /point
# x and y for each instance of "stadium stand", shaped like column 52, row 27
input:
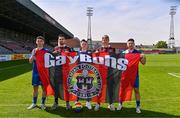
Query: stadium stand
column 5, row 51
column 13, row 46
column 21, row 21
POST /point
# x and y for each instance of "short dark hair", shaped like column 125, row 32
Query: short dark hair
column 40, row 37
column 83, row 40
column 131, row 39
column 61, row 35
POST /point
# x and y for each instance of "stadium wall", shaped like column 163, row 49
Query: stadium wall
column 11, row 57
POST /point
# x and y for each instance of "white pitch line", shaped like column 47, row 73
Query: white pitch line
column 12, row 67
column 172, row 74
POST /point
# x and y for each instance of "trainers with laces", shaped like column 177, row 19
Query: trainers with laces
column 96, row 108
column 32, row 106
column 119, row 107
column 88, row 105
column 111, row 107
column 54, row 106
column 138, row 110
column 43, row 107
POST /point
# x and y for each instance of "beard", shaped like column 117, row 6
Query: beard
column 61, row 43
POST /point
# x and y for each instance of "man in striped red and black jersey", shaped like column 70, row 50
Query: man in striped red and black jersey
column 110, row 81
column 62, row 47
column 105, row 45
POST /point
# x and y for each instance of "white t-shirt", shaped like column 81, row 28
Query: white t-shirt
column 33, row 54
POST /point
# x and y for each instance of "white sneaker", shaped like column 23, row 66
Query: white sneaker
column 43, row 107
column 119, row 107
column 88, row 105
column 32, row 106
column 108, row 106
column 138, row 110
column 54, row 106
column 111, row 107
column 96, row 108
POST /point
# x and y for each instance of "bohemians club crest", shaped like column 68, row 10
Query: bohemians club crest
column 84, row 81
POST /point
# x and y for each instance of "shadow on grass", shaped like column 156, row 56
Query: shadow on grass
column 105, row 112
column 13, row 68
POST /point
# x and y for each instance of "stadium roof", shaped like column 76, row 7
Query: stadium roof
column 25, row 16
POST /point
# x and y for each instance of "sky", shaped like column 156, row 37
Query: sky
column 147, row 21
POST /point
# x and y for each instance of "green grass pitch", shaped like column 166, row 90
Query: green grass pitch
column 159, row 88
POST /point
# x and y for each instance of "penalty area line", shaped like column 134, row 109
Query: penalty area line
column 173, row 74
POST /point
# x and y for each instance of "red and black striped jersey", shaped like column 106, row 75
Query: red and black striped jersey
column 107, row 49
column 63, row 49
